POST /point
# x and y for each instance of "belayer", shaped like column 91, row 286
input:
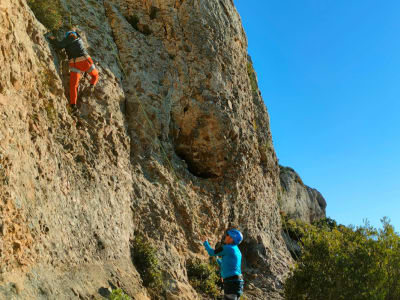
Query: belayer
column 79, row 63
column 230, row 263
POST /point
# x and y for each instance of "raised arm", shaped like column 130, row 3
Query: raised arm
column 60, row 44
column 212, row 252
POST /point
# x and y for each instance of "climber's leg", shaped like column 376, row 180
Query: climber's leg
column 233, row 289
column 73, row 87
column 94, row 74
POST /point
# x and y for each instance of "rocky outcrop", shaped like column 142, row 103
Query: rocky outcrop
column 299, row 201
column 174, row 145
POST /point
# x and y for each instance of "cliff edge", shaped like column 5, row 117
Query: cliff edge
column 299, row 201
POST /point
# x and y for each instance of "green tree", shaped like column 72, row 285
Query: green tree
column 339, row 262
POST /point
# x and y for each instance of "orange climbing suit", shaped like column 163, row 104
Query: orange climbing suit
column 77, row 67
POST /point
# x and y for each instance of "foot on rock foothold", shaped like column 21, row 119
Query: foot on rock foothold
column 73, row 109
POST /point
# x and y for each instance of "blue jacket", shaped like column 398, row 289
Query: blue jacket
column 231, row 259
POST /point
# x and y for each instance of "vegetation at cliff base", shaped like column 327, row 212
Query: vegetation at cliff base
column 48, row 12
column 146, row 262
column 340, row 262
column 118, row 294
column 203, row 277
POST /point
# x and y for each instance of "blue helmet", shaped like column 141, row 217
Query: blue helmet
column 70, row 32
column 236, row 235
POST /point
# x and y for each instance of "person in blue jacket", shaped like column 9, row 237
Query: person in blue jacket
column 230, row 263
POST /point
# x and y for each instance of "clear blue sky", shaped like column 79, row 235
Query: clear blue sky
column 329, row 73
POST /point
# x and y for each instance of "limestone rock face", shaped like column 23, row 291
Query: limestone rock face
column 299, row 201
column 174, row 144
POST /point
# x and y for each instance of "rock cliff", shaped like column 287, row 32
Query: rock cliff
column 299, row 201
column 174, row 145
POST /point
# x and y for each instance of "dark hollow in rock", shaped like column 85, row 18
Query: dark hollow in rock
column 133, row 20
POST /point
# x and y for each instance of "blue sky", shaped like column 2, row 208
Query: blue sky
column 329, row 73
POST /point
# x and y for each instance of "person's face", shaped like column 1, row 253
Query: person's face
column 228, row 240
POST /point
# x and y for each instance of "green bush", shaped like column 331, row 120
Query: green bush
column 204, row 277
column 295, row 228
column 339, row 262
column 118, row 294
column 146, row 262
column 252, row 76
column 327, row 224
column 50, row 111
column 48, row 12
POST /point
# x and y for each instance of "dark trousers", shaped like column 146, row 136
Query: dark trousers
column 233, row 289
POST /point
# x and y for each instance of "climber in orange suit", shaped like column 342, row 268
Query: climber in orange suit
column 79, row 63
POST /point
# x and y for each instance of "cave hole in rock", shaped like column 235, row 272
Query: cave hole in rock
column 195, row 168
column 146, row 30
column 133, row 20
column 142, row 28
column 16, row 246
column 153, row 12
column 99, row 243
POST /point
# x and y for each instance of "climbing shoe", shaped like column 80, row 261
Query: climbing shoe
column 73, row 109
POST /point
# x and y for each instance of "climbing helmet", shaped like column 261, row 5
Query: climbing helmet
column 236, row 236
column 71, row 32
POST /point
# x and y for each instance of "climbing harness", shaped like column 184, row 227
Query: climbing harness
column 79, row 59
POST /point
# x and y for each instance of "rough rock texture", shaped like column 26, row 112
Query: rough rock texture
column 174, row 144
column 299, row 201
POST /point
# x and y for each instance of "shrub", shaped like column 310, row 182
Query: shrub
column 252, row 76
column 50, row 111
column 118, row 294
column 48, row 12
column 146, row 262
column 347, row 263
column 327, row 224
column 295, row 228
column 204, row 277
